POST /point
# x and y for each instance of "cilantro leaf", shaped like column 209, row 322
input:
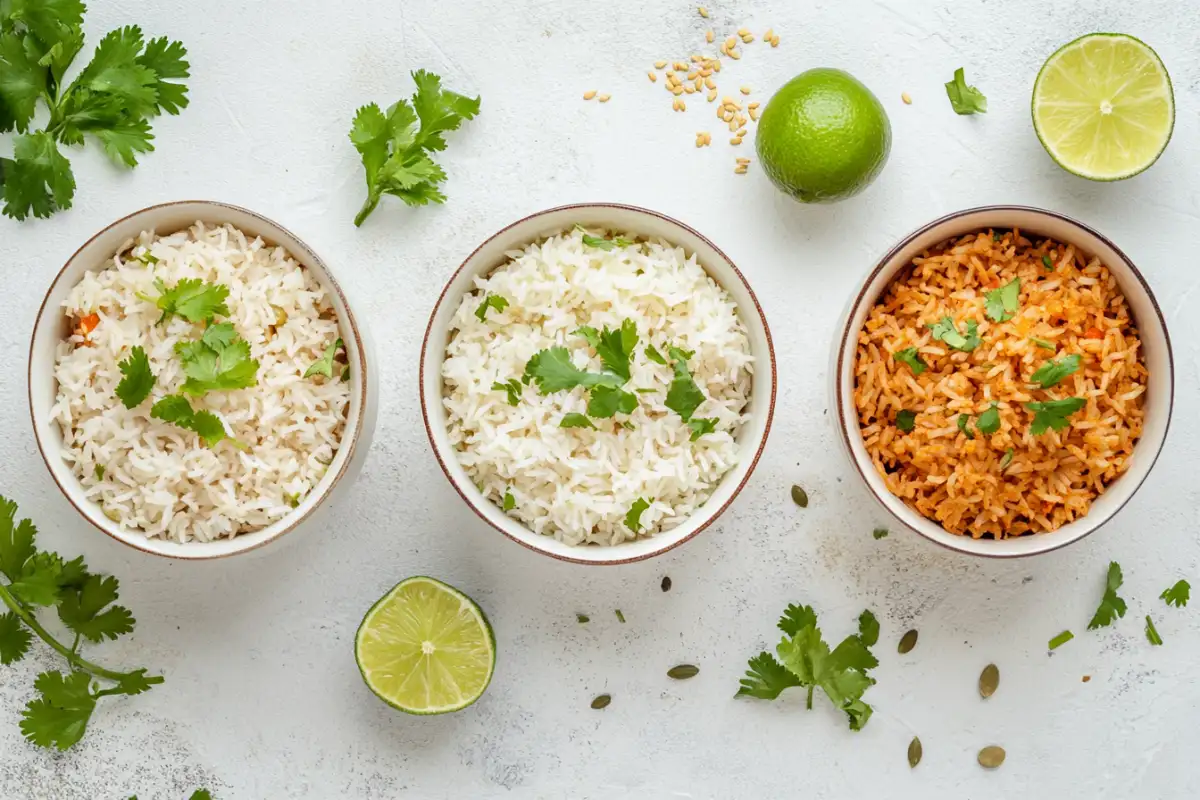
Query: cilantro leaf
column 906, row 420
column 1054, row 370
column 1178, row 595
column 796, row 618
column 605, row 401
column 553, row 371
column 575, row 420
column 39, row 581
column 1111, row 605
column 87, row 609
column 394, row 147
column 598, row 242
column 15, row 638
column 963, row 421
column 137, row 682
column 1042, row 343
column 988, row 422
column 324, row 364
column 615, row 348
column 589, row 333
column 490, row 301
column 114, row 71
column 1007, row 458
column 683, row 395
column 16, row 540
column 59, row 717
column 868, row 626
column 633, row 518
column 176, row 409
column 138, row 380
column 191, row 298
column 166, row 60
column 512, row 388
column 1001, row 304
column 766, row 678
column 509, row 502
column 1053, row 414
column 22, row 80
column 910, row 356
column 38, row 179
column 1152, row 632
column 700, row 426
column 201, row 794
column 219, row 361
column 879, row 533
column 655, row 356
column 965, row 99
column 945, row 330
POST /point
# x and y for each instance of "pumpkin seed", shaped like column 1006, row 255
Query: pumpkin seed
column 991, row 756
column 799, row 497
column 907, row 642
column 602, row 701
column 666, row 584
column 683, row 672
column 989, row 679
column 914, row 752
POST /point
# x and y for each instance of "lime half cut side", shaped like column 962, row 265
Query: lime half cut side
column 1103, row 106
column 426, row 648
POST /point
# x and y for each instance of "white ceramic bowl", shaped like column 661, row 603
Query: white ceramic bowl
column 51, row 326
column 490, row 255
column 1156, row 348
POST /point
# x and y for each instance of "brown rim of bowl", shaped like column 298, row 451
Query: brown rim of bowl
column 362, row 379
column 770, row 406
column 892, row 253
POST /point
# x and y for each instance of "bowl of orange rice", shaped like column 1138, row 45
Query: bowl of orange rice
column 1003, row 381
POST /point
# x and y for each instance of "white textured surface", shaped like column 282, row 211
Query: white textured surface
column 262, row 698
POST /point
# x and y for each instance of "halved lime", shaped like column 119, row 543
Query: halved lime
column 1103, row 106
column 426, row 648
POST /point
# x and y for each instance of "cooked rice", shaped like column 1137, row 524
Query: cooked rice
column 151, row 475
column 958, row 483
column 578, row 484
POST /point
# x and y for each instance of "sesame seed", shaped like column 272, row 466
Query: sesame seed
column 589, row 94
column 703, row 12
column 745, row 90
column 905, row 97
column 653, row 78
column 604, row 98
column 709, row 36
column 659, row 64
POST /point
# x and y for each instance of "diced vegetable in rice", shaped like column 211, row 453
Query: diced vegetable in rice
column 151, row 475
column 581, row 483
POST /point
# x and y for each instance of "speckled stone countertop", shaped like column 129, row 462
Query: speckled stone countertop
column 263, row 700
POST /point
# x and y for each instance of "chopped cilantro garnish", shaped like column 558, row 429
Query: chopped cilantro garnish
column 605, row 401
column 615, row 347
column 1054, row 370
column 1007, row 458
column 1053, row 414
column 989, row 421
column 1111, row 605
column 879, row 533
column 965, row 99
column 1002, row 303
column 1178, row 594
column 1042, row 343
column 137, row 380
column 509, row 502
column 191, row 298
column 575, row 420
column 683, row 396
column 176, row 409
column 653, row 354
column 910, row 356
column 511, row 387
column 963, row 421
column 221, row 361
column 700, row 426
column 553, row 371
column 1152, row 632
column 493, row 301
column 906, row 420
column 1047, row 263
column 1060, row 640
column 633, row 519
column 945, row 330
column 600, row 243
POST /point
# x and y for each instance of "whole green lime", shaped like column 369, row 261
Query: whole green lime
column 823, row 136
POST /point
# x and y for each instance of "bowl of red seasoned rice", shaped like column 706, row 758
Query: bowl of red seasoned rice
column 1003, row 381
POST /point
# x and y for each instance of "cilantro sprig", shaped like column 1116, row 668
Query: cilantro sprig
column 31, row 579
column 600, row 243
column 176, row 408
column 1053, row 371
column 965, row 99
column 910, row 356
column 129, row 81
column 137, row 379
column 806, row 661
column 324, row 364
column 1052, row 414
column 1112, row 606
column 191, row 298
column 395, row 146
column 219, row 361
column 490, row 301
column 683, row 395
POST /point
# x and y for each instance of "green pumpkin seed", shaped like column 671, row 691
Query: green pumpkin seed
column 991, row 756
column 914, row 752
column 683, row 672
column 989, row 679
column 799, row 497
column 907, row 642
column 602, row 701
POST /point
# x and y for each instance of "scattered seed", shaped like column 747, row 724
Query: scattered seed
column 681, row 66
column 712, row 95
column 748, row 38
column 735, row 55
column 716, row 65
column 770, row 32
column 582, row 619
column 601, row 701
column 799, row 497
column 1087, row 678
column 741, row 132
column 991, row 757
column 682, row 105
column 659, row 64
column 740, row 169
column 653, row 77
column 709, row 36
column 743, row 32
column 989, row 679
column 775, row 40
column 589, row 94
column 754, row 112
column 743, row 161
column 914, row 753
column 745, row 90
column 710, row 83
column 676, row 90
column 906, row 98
column 604, row 98
column 683, row 672
column 690, row 89
column 666, row 584
column 703, row 12
column 697, row 58
column 702, row 140
column 907, row 642
column 736, row 140
column 620, row 617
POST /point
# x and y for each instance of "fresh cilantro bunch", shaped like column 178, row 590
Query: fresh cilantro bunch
column 395, row 146
column 806, row 661
column 59, row 715
column 128, row 82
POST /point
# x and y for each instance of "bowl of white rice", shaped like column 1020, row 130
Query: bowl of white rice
column 598, row 382
column 198, row 382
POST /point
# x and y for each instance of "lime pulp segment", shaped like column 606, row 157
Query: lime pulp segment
column 1103, row 106
column 426, row 648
